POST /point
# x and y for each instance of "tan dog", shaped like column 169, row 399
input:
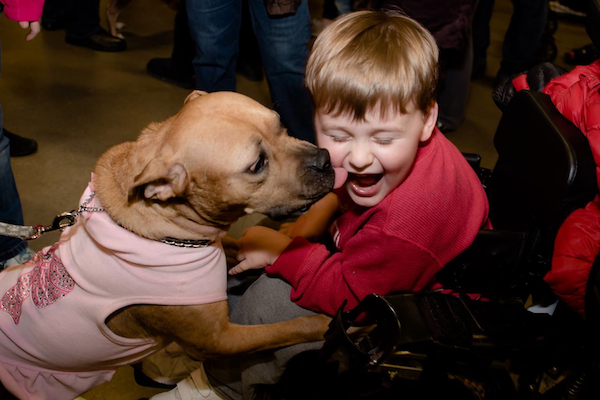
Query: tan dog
column 188, row 178
column 227, row 156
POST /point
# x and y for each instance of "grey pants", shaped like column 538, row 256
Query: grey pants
column 265, row 302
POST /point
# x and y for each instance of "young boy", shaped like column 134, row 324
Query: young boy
column 410, row 202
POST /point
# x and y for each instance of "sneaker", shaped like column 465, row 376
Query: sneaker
column 558, row 8
column 166, row 367
column 194, row 387
column 144, row 380
column 20, row 146
column 19, row 259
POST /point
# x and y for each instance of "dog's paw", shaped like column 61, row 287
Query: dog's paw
column 317, row 325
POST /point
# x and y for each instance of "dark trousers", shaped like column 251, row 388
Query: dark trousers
column 10, row 203
column 522, row 40
column 184, row 47
column 81, row 17
column 283, row 42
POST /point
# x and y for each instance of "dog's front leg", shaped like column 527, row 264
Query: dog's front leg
column 244, row 339
column 204, row 331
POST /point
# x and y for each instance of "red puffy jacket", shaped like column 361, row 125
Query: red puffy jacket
column 576, row 95
column 577, row 244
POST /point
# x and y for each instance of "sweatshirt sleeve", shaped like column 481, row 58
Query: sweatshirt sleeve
column 371, row 262
column 23, row 10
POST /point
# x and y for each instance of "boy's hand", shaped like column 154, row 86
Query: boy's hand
column 259, row 247
column 34, row 28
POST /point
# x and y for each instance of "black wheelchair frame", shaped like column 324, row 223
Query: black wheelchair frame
column 427, row 345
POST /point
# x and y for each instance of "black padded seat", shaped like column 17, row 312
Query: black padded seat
column 545, row 167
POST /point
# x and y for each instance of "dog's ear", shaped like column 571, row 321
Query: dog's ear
column 161, row 181
column 195, row 94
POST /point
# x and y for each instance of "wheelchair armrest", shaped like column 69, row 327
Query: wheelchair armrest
column 474, row 161
column 417, row 326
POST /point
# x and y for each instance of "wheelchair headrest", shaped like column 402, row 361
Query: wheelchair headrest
column 545, row 167
column 592, row 22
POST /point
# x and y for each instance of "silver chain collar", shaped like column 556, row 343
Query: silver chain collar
column 187, row 243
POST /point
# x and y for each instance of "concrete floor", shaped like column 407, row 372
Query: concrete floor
column 77, row 103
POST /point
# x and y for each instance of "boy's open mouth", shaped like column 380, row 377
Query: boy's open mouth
column 364, row 180
column 364, row 184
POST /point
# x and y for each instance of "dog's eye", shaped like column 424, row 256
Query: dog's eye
column 259, row 165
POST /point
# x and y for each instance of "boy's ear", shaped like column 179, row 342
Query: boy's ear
column 430, row 121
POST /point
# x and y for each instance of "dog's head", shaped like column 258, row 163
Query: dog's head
column 224, row 155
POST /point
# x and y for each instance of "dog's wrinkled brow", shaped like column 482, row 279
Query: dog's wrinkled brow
column 257, row 141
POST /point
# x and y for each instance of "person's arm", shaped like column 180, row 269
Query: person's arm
column 313, row 224
column 261, row 246
column 27, row 12
column 371, row 262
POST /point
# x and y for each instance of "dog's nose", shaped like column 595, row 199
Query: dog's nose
column 321, row 161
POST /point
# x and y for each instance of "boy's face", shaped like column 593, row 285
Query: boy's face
column 378, row 153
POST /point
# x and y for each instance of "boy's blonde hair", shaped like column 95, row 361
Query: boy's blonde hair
column 367, row 59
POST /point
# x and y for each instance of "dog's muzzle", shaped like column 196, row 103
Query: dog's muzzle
column 315, row 177
column 317, row 173
column 320, row 163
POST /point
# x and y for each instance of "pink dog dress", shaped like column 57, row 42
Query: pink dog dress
column 54, row 342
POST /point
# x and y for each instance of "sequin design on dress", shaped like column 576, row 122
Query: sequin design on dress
column 47, row 282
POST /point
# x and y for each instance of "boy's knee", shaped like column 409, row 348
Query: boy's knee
column 266, row 301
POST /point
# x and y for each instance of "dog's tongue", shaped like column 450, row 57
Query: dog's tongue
column 340, row 177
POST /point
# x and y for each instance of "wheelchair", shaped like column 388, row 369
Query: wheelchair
column 521, row 341
column 427, row 345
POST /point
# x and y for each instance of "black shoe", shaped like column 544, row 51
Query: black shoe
column 162, row 69
column 20, row 146
column 53, row 25
column 100, row 41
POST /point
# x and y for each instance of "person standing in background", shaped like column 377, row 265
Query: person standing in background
column 14, row 251
column 282, row 29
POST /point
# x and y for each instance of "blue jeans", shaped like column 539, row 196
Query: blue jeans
column 215, row 27
column 10, row 204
